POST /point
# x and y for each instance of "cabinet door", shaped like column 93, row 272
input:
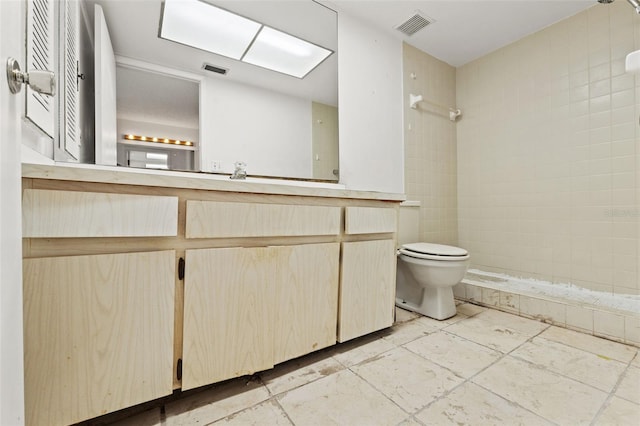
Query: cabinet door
column 306, row 299
column 367, row 287
column 98, row 334
column 228, row 314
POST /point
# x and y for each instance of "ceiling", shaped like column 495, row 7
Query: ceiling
column 464, row 30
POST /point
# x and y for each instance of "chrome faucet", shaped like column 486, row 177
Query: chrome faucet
column 239, row 172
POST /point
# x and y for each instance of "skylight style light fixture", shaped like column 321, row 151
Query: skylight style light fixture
column 285, row 53
column 207, row 27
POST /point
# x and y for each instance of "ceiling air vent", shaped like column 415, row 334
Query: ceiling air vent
column 215, row 69
column 414, row 24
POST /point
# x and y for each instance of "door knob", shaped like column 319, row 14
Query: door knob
column 43, row 82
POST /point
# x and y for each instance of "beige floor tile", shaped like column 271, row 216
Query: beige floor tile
column 586, row 342
column 547, row 394
column 267, row 413
column 469, row 309
column 600, row 372
column 407, row 379
column 619, row 412
column 215, row 403
column 410, row 422
column 440, row 324
column 636, row 360
column 400, row 334
column 340, row 399
column 461, row 356
column 148, row 418
column 497, row 330
column 471, row 405
column 360, row 349
column 300, row 371
column 629, row 387
column 402, row 315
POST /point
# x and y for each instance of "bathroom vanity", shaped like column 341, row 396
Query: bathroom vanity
column 138, row 283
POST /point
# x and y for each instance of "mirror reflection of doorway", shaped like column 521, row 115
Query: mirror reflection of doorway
column 167, row 159
column 157, row 106
column 324, row 128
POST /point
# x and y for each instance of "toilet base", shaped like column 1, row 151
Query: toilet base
column 437, row 303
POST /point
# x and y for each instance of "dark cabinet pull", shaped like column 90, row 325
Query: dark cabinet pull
column 181, row 269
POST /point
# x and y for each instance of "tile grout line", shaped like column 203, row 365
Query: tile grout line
column 612, row 394
column 273, row 397
column 468, row 380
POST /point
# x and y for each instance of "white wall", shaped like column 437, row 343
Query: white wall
column 370, row 108
column 11, row 109
column 266, row 130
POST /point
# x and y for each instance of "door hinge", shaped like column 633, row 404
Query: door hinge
column 179, row 369
column 181, row 269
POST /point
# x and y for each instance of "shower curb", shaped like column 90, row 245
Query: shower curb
column 608, row 323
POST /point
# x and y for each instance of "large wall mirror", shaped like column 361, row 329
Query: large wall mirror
column 279, row 125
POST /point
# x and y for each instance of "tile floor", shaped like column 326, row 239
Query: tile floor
column 482, row 367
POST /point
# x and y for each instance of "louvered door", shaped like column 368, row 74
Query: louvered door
column 40, row 56
column 69, row 44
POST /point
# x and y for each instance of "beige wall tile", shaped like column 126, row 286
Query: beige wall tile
column 632, row 330
column 580, row 318
column 543, row 310
column 547, row 154
column 430, row 145
column 608, row 324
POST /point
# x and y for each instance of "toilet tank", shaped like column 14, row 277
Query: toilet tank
column 409, row 222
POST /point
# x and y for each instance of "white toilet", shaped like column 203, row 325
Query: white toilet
column 426, row 272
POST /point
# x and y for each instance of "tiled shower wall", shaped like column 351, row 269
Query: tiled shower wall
column 549, row 154
column 430, row 145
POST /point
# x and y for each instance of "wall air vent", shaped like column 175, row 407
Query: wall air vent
column 213, row 68
column 414, row 24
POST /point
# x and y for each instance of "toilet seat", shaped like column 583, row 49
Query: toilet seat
column 434, row 251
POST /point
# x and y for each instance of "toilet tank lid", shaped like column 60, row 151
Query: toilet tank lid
column 436, row 249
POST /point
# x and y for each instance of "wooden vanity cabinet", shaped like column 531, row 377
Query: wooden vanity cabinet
column 368, row 273
column 247, row 309
column 367, row 288
column 98, row 334
column 114, row 318
column 228, row 314
column 98, row 328
column 306, row 291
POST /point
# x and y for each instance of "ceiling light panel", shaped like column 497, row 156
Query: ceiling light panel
column 284, row 53
column 206, row 27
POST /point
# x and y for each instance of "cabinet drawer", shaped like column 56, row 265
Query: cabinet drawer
column 59, row 214
column 370, row 220
column 210, row 219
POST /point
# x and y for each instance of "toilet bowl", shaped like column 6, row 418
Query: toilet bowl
column 426, row 274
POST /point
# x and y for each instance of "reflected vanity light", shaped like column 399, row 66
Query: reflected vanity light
column 157, row 140
column 207, row 27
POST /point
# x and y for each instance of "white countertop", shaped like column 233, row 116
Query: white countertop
column 194, row 180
